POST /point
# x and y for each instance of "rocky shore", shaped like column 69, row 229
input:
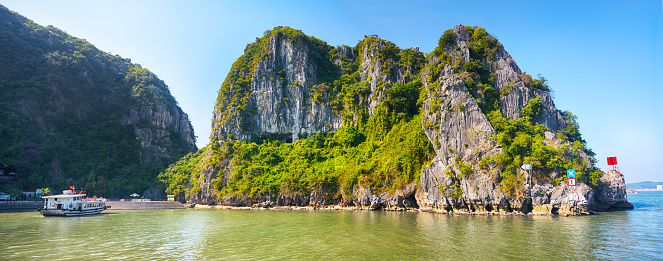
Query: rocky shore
column 482, row 118
column 342, row 208
column 543, row 200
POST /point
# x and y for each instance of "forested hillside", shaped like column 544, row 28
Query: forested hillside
column 71, row 114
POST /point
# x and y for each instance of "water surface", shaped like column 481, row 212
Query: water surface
column 196, row 234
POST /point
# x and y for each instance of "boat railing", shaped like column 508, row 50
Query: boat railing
column 94, row 200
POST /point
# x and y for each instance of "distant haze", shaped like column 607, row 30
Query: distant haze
column 643, row 185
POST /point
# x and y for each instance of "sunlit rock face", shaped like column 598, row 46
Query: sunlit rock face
column 276, row 97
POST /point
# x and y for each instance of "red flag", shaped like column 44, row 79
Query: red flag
column 612, row 160
column 71, row 187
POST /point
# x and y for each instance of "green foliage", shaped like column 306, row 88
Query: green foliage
column 62, row 107
column 402, row 98
column 178, row 174
column 319, row 92
column 10, row 187
column 476, row 75
column 540, row 83
column 388, row 149
column 447, row 39
column 348, row 93
column 474, row 67
column 235, row 91
column 460, row 106
column 429, row 124
column 522, row 139
column 572, row 130
column 465, row 169
column 522, row 142
column 408, row 58
column 384, row 154
column 482, row 46
column 506, row 90
column 532, row 110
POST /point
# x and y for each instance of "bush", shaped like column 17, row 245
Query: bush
column 532, row 110
column 447, row 38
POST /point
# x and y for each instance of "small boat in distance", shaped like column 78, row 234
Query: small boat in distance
column 72, row 203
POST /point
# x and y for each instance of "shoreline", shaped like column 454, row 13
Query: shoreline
column 340, row 208
column 144, row 205
column 21, row 205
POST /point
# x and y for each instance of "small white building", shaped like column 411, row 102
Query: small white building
column 659, row 187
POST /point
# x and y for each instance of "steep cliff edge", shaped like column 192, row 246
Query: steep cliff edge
column 301, row 123
column 268, row 93
column 71, row 114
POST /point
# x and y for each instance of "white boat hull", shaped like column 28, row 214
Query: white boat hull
column 71, row 213
column 72, row 203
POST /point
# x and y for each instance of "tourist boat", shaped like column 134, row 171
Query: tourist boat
column 72, row 203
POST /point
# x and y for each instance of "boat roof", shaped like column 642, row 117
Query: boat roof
column 65, row 196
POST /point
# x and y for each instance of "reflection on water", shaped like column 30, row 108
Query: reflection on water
column 279, row 234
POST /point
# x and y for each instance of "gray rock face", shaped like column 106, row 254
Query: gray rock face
column 456, row 126
column 454, row 122
column 507, row 73
column 156, row 124
column 612, row 194
column 443, row 190
column 565, row 199
column 280, row 103
column 154, row 193
column 541, row 193
column 371, row 71
column 461, row 33
column 518, row 98
column 506, row 77
column 401, row 200
column 374, row 70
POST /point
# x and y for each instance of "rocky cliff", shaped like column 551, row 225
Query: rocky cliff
column 374, row 126
column 273, row 97
column 74, row 115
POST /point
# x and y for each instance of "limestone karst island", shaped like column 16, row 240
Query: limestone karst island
column 300, row 123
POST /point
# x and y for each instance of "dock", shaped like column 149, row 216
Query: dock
column 10, row 205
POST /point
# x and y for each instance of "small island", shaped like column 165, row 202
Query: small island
column 301, row 123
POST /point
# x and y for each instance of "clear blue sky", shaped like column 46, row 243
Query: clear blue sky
column 603, row 58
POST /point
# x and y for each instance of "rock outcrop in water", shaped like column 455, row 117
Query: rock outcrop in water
column 480, row 116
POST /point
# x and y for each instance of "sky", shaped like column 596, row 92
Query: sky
column 603, row 59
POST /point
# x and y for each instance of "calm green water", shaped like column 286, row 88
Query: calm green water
column 278, row 234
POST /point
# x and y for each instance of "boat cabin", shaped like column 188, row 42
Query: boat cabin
column 72, row 203
column 62, row 201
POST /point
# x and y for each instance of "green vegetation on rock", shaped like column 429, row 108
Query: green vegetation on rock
column 65, row 113
column 379, row 92
column 522, row 140
column 384, row 152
